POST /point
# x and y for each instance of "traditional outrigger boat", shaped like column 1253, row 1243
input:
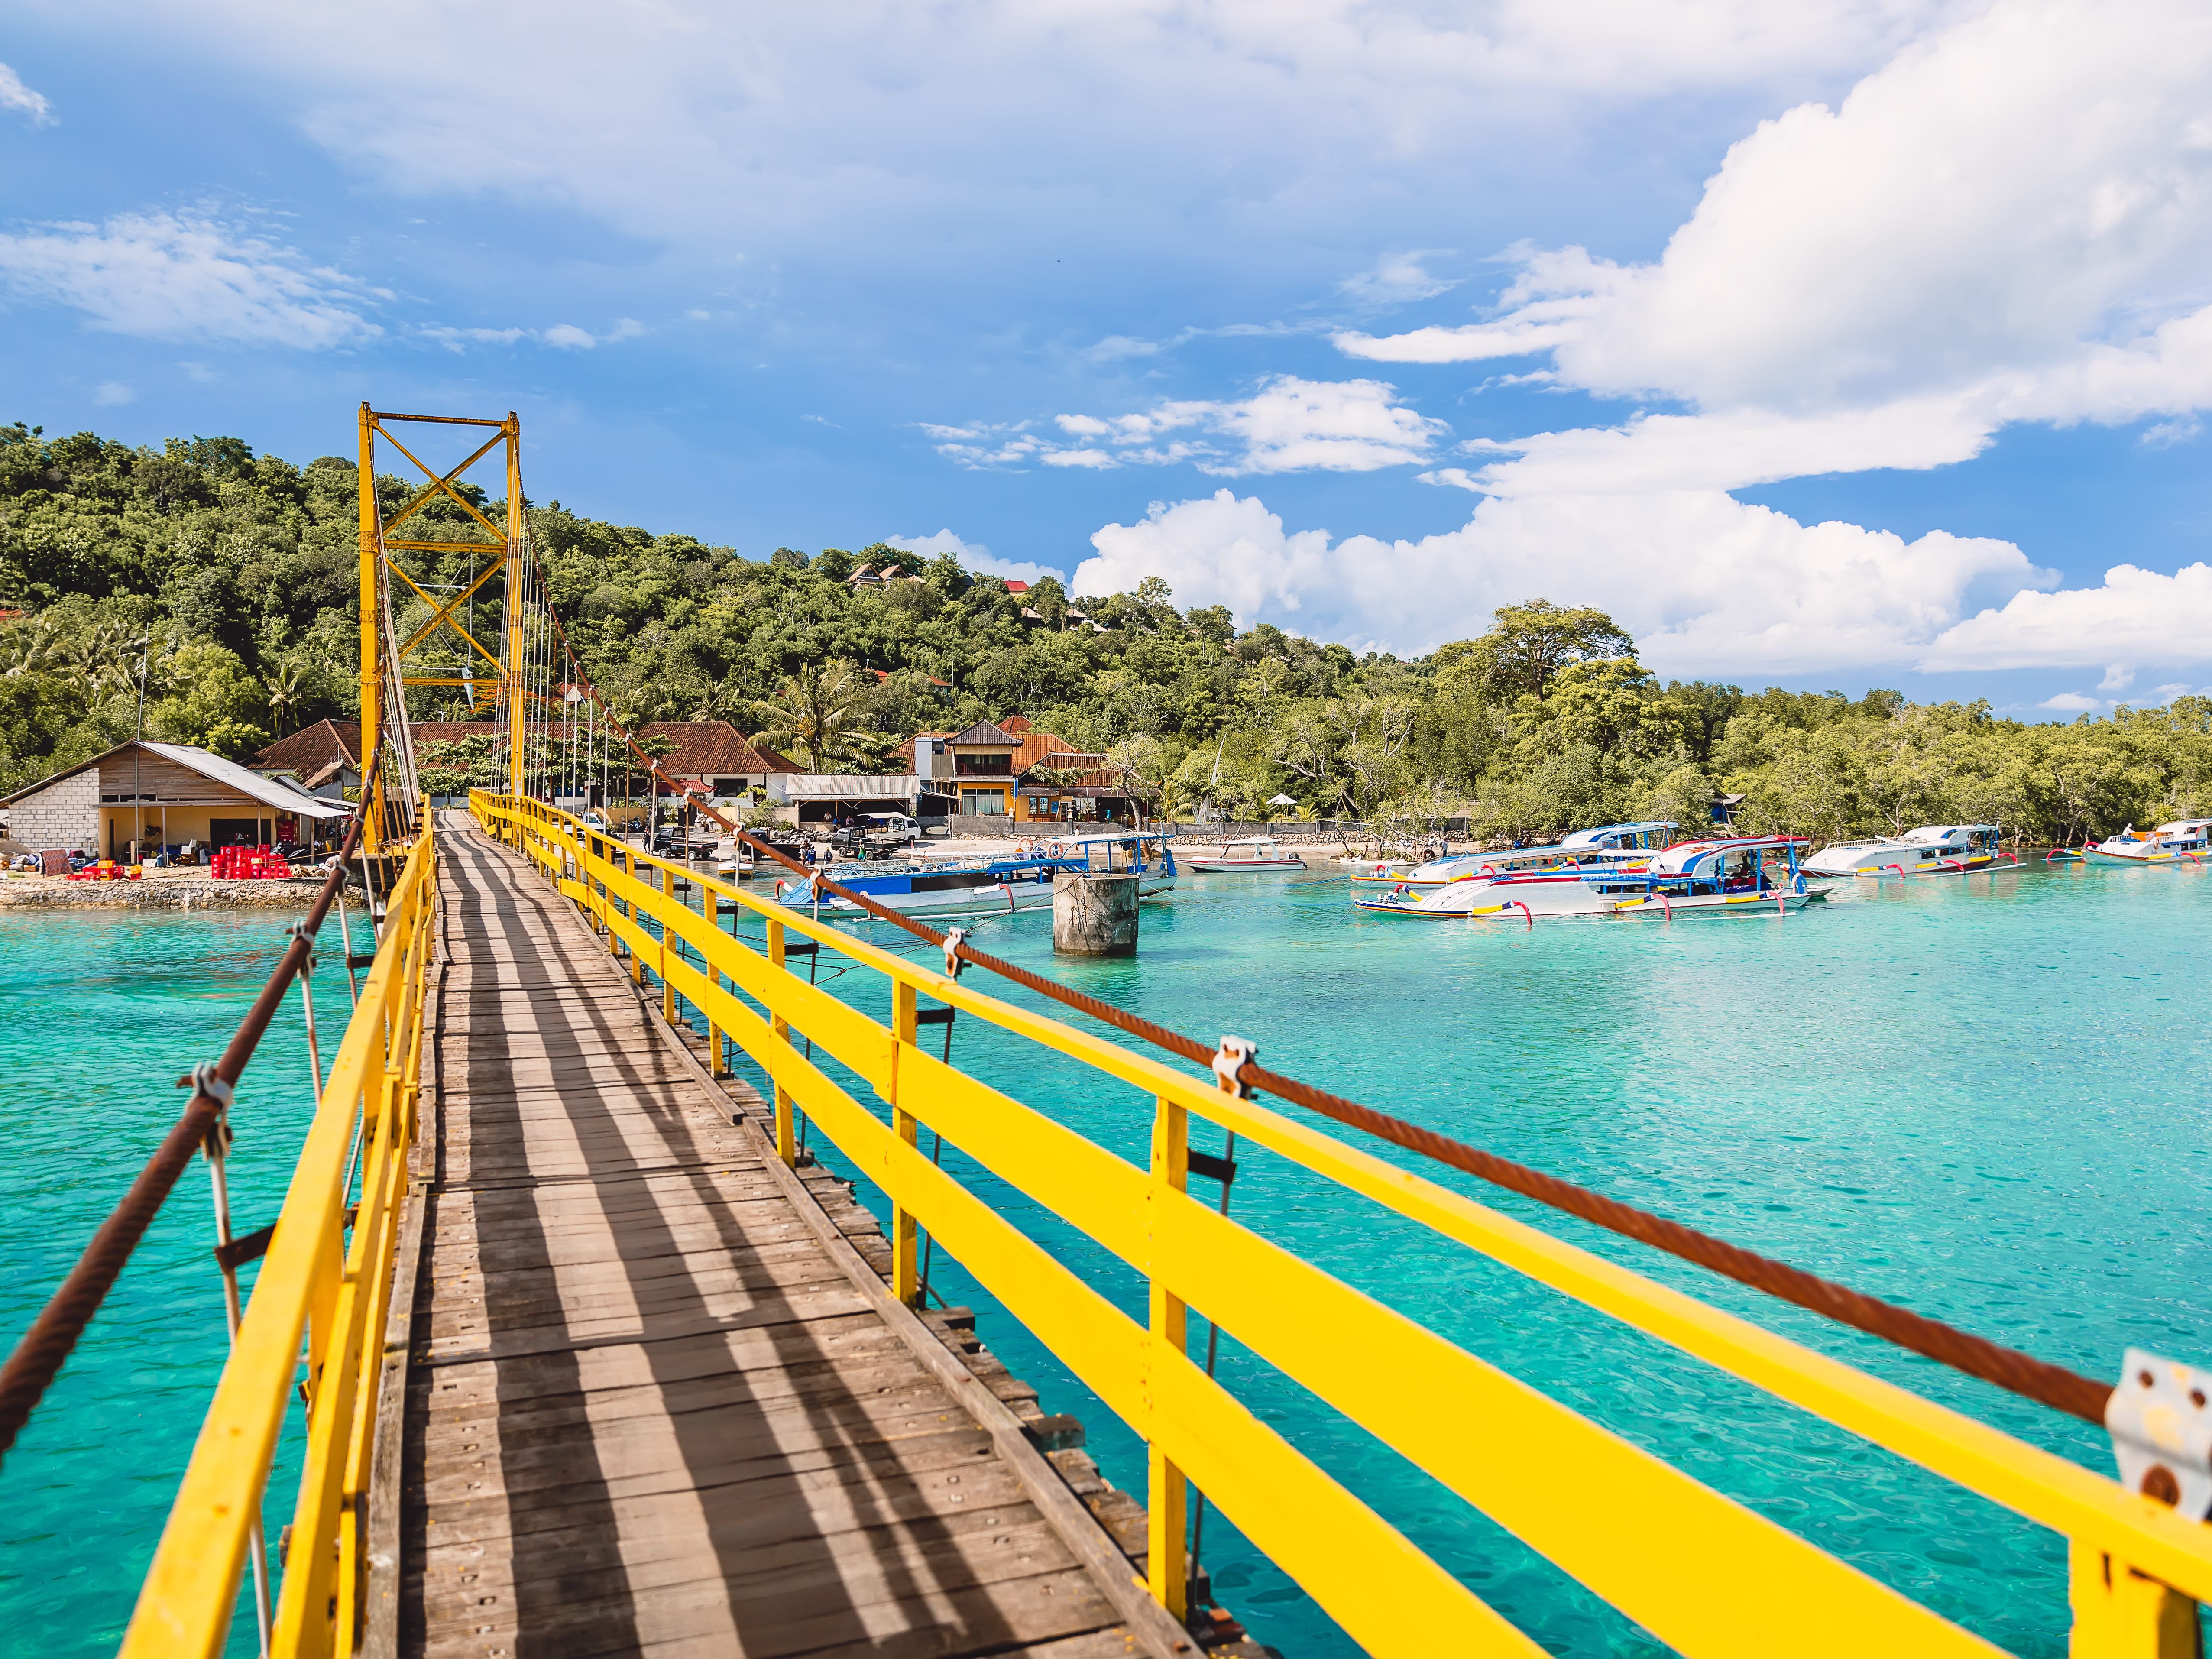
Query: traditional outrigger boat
column 2182, row 842
column 1732, row 874
column 1933, row 849
column 1608, row 845
column 1023, row 882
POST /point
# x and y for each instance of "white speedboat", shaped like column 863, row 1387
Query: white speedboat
column 1933, row 849
column 1736, row 873
column 1253, row 853
column 2182, row 842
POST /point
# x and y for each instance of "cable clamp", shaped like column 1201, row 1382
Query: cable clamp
column 954, row 939
column 203, row 1081
column 299, row 931
column 2161, row 1430
column 1228, row 1066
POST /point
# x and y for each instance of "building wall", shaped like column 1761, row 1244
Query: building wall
column 65, row 814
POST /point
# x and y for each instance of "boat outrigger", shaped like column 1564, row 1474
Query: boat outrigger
column 1023, row 882
column 1733, row 874
column 2182, row 842
column 1933, row 849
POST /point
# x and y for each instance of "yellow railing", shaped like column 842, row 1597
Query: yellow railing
column 335, row 1289
column 1701, row 1571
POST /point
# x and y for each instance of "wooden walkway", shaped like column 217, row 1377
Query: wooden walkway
column 656, row 1399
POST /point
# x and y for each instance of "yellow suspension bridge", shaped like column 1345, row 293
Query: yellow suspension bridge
column 596, row 1360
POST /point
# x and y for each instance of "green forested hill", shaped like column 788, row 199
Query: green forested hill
column 229, row 580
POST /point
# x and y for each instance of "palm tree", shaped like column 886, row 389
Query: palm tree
column 287, row 690
column 818, row 713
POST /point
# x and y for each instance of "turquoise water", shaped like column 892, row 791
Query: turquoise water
column 100, row 1013
column 1985, row 1097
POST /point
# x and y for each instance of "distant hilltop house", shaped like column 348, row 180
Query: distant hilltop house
column 142, row 795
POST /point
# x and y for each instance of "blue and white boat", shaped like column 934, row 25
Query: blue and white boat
column 1733, row 873
column 1607, row 846
column 1022, row 881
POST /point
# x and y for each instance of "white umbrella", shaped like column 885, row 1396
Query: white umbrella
column 1280, row 800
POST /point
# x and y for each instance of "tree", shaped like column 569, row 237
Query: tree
column 287, row 689
column 1049, row 600
column 1141, row 765
column 818, row 713
column 1534, row 641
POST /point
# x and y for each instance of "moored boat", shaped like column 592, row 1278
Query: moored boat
column 1252, row 852
column 985, row 885
column 1735, row 873
column 1609, row 846
column 1932, row 849
column 2182, row 842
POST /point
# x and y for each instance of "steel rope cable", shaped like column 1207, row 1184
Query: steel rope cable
column 45, row 1347
column 2009, row 1369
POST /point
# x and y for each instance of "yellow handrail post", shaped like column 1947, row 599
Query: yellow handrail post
column 786, row 1142
column 905, row 1274
column 630, row 903
column 2119, row 1614
column 668, row 903
column 1168, row 1493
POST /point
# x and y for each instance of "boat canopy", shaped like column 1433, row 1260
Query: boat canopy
column 1618, row 835
column 1687, row 857
column 1938, row 834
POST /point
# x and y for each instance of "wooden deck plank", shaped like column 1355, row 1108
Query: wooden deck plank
column 648, row 1410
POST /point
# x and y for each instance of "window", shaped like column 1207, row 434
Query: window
column 984, row 803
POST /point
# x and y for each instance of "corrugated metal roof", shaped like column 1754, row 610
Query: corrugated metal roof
column 267, row 791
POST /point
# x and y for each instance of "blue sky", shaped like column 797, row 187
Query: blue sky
column 1825, row 345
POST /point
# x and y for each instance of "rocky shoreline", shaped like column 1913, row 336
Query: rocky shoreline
column 179, row 889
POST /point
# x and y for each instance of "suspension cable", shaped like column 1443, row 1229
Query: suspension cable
column 46, row 1346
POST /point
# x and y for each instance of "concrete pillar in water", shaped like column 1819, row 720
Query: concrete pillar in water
column 1094, row 915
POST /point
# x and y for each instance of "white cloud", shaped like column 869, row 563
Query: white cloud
column 625, row 328
column 2009, row 222
column 2014, row 214
column 2166, row 434
column 2072, row 702
column 2118, row 677
column 15, row 95
column 1398, row 279
column 186, row 276
column 567, row 338
column 1117, row 347
column 975, row 557
column 113, row 394
column 2136, row 618
column 987, row 444
column 1707, row 584
column 826, row 126
column 460, row 339
column 1290, row 425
